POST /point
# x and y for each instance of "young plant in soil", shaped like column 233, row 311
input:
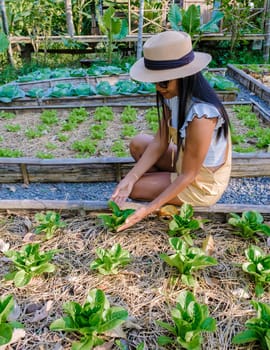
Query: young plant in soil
column 97, row 131
column 49, row 117
column 48, row 223
column 12, row 127
column 118, row 148
column 183, row 224
column 29, row 262
column 249, row 224
column 187, row 260
column 258, row 328
column 86, row 147
column 103, row 113
column 7, row 327
column 152, row 118
column 258, row 266
column 7, row 115
column 10, row 153
column 90, row 320
column 43, row 155
column 129, row 131
column 109, row 260
column 117, row 218
column 128, row 115
column 190, row 319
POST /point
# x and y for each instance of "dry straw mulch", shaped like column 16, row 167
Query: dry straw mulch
column 147, row 287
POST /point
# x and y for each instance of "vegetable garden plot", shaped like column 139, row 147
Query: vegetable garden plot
column 104, row 131
column 146, row 287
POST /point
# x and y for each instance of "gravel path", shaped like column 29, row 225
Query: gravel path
column 255, row 191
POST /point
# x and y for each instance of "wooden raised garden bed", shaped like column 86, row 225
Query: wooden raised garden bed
column 251, row 81
column 103, row 163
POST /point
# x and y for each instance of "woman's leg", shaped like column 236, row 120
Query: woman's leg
column 139, row 144
column 157, row 179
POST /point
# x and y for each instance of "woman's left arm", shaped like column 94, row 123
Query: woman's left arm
column 198, row 139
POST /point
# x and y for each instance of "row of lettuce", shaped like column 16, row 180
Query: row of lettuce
column 12, row 91
column 92, row 320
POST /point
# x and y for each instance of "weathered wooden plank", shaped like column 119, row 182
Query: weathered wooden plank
column 107, row 169
column 249, row 82
column 220, row 211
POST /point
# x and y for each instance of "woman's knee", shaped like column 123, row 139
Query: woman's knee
column 138, row 145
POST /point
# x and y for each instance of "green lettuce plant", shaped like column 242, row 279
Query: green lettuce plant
column 10, row 153
column 258, row 266
column 90, row 320
column 249, row 224
column 187, row 260
column 48, row 223
column 258, row 328
column 7, row 327
column 190, row 319
column 28, row 263
column 116, row 218
column 184, row 223
column 109, row 260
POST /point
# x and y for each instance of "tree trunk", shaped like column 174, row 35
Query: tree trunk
column 69, row 18
column 266, row 48
column 6, row 31
column 140, row 30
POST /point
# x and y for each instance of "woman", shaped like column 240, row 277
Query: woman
column 189, row 159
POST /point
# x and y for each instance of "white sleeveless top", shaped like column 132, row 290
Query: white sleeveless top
column 217, row 150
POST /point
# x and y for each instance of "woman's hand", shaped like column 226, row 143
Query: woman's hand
column 122, row 191
column 139, row 214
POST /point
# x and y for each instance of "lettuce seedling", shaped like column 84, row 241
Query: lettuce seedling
column 90, row 320
column 117, row 218
column 184, row 223
column 250, row 223
column 258, row 265
column 190, row 320
column 109, row 260
column 49, row 223
column 29, row 262
column 187, row 259
column 258, row 328
column 6, row 327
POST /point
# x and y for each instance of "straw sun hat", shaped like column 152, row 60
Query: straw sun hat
column 168, row 55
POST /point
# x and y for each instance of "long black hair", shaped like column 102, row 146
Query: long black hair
column 196, row 86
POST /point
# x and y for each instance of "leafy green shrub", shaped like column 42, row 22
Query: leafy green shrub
column 258, row 265
column 7, row 327
column 77, row 115
column 257, row 327
column 190, row 319
column 117, row 218
column 109, row 260
column 29, row 262
column 90, row 320
column 187, row 260
column 247, row 225
column 48, row 223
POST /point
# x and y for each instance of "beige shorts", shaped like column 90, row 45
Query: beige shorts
column 208, row 186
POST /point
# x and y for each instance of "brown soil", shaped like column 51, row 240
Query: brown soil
column 147, row 287
column 30, row 147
